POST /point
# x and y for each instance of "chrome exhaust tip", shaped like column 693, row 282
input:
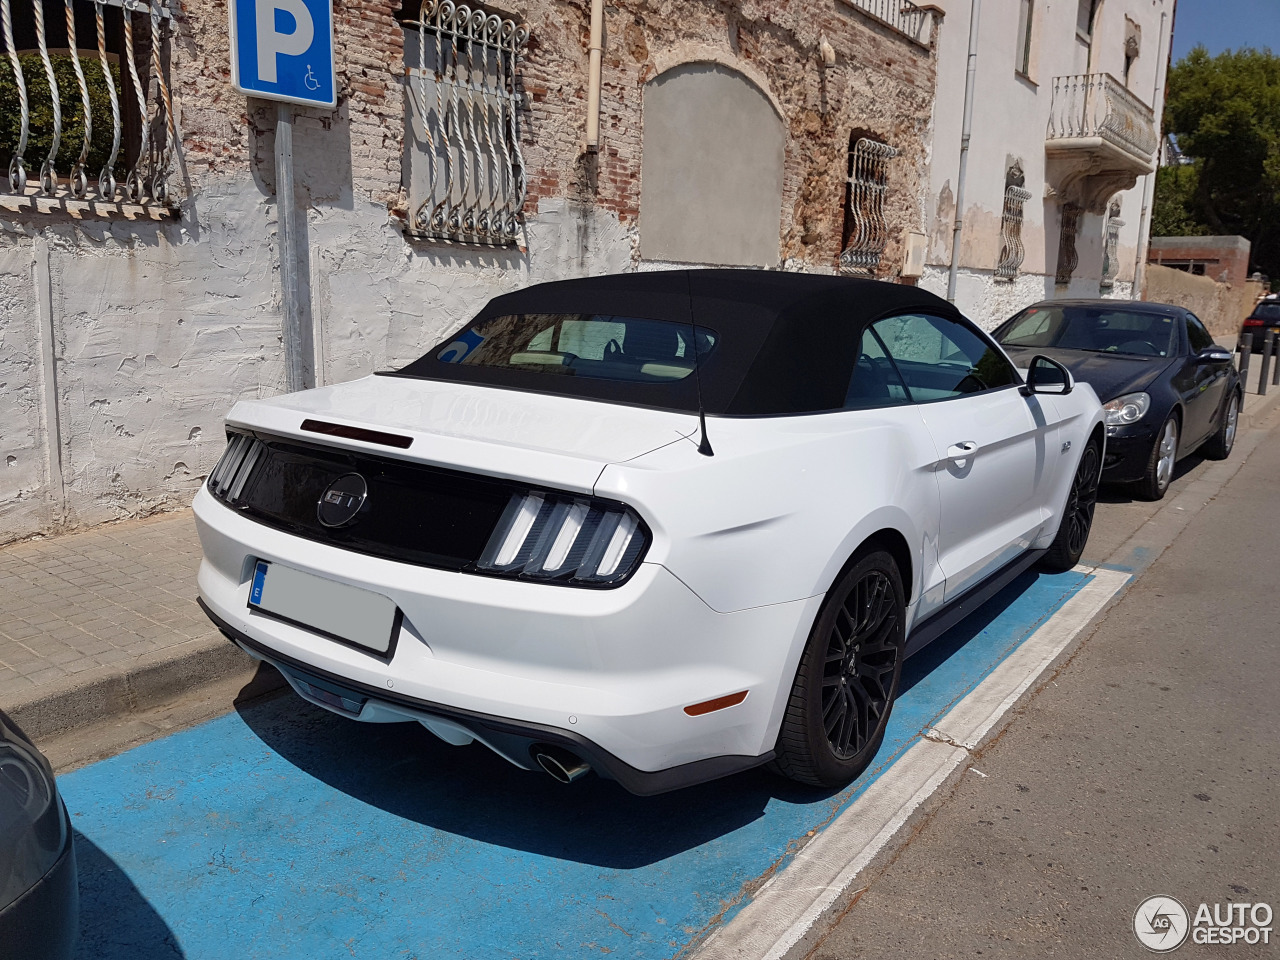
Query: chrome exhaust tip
column 560, row 764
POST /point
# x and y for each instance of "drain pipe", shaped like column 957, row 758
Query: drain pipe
column 593, row 76
column 1149, row 184
column 971, row 71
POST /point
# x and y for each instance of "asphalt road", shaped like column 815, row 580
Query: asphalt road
column 1150, row 765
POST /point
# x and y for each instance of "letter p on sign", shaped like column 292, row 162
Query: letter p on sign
column 283, row 50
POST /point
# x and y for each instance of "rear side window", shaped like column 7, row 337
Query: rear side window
column 875, row 381
column 939, row 358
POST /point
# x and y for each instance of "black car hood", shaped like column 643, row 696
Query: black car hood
column 1109, row 374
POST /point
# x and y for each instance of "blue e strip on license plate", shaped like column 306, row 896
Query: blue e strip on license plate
column 339, row 610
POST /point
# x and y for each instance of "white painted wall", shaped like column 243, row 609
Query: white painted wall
column 1011, row 115
column 159, row 328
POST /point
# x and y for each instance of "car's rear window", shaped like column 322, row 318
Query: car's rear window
column 1267, row 311
column 598, row 346
column 1096, row 329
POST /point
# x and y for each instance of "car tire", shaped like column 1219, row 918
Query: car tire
column 1161, row 462
column 1077, row 515
column 848, row 676
column 1219, row 445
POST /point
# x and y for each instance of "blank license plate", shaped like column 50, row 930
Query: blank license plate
column 334, row 609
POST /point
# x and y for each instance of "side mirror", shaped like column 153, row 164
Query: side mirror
column 1214, row 354
column 1048, row 376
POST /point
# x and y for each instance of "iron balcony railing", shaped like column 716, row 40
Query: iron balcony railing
column 1097, row 105
column 901, row 15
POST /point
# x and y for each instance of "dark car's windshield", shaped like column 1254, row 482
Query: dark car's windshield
column 1093, row 328
column 1267, row 311
column 599, row 346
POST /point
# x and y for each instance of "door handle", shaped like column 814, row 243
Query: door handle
column 962, row 451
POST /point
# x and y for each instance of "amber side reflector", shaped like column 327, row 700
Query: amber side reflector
column 357, row 433
column 719, row 703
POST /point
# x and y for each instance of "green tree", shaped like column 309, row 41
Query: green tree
column 1171, row 214
column 1225, row 112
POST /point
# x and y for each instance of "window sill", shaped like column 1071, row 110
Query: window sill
column 88, row 209
column 1026, row 78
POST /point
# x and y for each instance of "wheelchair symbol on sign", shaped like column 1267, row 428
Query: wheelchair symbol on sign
column 310, row 80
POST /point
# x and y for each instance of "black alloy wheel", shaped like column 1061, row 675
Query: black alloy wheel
column 848, row 677
column 1077, row 516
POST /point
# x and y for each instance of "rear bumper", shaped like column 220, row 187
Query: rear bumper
column 513, row 739
column 44, row 923
column 605, row 674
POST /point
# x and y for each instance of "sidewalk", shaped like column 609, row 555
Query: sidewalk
column 104, row 622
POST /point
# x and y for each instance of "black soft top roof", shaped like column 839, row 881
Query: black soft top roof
column 786, row 342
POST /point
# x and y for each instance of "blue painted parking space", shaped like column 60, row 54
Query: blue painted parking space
column 282, row 831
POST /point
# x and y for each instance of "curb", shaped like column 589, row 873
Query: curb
column 1256, row 407
column 110, row 694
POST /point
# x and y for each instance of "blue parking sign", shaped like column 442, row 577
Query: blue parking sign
column 283, row 50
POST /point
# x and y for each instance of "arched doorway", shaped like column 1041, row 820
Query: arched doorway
column 711, row 169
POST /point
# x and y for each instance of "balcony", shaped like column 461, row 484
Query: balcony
column 1101, row 138
column 903, row 16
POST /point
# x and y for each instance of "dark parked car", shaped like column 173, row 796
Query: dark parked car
column 39, row 894
column 1167, row 388
column 1265, row 316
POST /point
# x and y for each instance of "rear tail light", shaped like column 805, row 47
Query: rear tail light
column 234, row 467
column 1253, row 322
column 561, row 538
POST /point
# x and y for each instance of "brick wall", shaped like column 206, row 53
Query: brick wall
column 1225, row 259
column 881, row 83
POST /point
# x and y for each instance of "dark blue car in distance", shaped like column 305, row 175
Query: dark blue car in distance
column 1168, row 389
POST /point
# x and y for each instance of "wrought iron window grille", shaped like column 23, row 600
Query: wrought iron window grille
column 465, row 169
column 1012, row 250
column 140, row 109
column 1110, row 258
column 866, row 230
column 1068, row 257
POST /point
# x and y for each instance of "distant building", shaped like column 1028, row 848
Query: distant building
column 1065, row 137
column 1225, row 259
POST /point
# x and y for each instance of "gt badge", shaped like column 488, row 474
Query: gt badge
column 342, row 500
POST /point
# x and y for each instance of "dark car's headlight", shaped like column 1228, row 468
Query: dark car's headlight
column 1126, row 409
column 584, row 541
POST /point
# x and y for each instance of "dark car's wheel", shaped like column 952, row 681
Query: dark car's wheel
column 1077, row 517
column 1224, row 438
column 1160, row 464
column 848, row 677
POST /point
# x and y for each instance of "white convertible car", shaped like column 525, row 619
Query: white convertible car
column 663, row 526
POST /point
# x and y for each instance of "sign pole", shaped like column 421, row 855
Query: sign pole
column 295, row 285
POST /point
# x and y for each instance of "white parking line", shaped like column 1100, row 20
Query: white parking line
column 790, row 902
